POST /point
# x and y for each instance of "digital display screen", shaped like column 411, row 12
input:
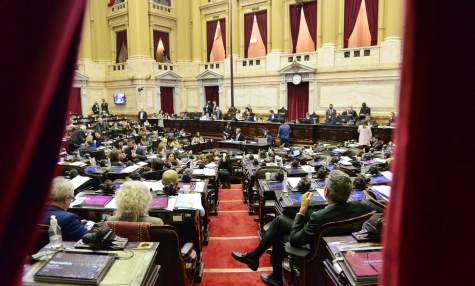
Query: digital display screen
column 119, row 99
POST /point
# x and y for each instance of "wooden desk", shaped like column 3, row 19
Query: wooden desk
column 140, row 269
column 301, row 133
column 333, row 245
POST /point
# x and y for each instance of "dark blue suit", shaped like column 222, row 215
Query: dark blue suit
column 71, row 227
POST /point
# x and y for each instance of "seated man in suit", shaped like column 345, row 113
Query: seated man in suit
column 101, row 126
column 61, row 195
column 239, row 136
column 365, row 110
column 304, row 228
column 78, row 137
column 271, row 116
column 330, row 115
column 134, row 152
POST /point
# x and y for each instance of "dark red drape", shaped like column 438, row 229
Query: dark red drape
column 210, row 31
column 372, row 13
column 295, row 12
column 29, row 156
column 297, row 100
column 166, row 99
column 351, row 14
column 121, row 38
column 310, row 12
column 248, row 21
column 261, row 18
column 157, row 35
column 212, row 94
column 428, row 237
column 74, row 105
column 222, row 24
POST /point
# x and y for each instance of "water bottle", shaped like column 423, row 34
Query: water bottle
column 54, row 232
column 285, row 182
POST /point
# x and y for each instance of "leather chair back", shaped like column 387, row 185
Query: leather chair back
column 42, row 237
column 311, row 268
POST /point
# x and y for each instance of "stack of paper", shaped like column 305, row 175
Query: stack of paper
column 209, row 172
column 153, row 185
column 383, row 190
column 130, row 169
column 293, row 181
column 308, row 169
column 199, row 187
column 190, row 201
column 79, row 181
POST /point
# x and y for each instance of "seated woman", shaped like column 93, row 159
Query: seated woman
column 171, row 160
column 132, row 204
column 156, row 172
column 114, row 157
column 197, row 139
column 174, row 143
column 170, row 182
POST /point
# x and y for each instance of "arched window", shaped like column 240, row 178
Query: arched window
column 255, row 34
column 303, row 27
column 161, row 46
column 361, row 23
column 216, row 40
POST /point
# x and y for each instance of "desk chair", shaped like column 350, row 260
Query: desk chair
column 266, row 207
column 304, row 267
column 153, row 175
column 42, row 238
column 376, row 205
column 177, row 265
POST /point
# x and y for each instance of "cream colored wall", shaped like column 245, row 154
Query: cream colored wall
column 337, row 79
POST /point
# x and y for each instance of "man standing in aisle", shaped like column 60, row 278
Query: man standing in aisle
column 104, row 107
column 284, row 134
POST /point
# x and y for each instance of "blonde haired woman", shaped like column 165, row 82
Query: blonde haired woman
column 132, row 204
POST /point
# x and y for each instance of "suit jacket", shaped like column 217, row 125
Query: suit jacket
column 330, row 114
column 139, row 151
column 304, row 230
column 71, row 227
column 239, row 137
column 142, row 116
column 77, row 138
column 101, row 127
column 365, row 110
column 105, row 107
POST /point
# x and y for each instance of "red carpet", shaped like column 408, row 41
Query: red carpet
column 232, row 229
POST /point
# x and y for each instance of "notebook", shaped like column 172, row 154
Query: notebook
column 158, row 203
column 77, row 268
column 296, row 198
column 96, row 200
column 364, row 263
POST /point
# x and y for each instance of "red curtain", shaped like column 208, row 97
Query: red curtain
column 351, row 14
column 212, row 94
column 157, row 35
column 121, row 39
column 166, row 99
column 310, row 12
column 74, row 105
column 372, row 12
column 297, row 100
column 30, row 155
column 428, row 237
column 222, row 23
column 295, row 12
column 248, row 21
column 210, row 31
column 261, row 18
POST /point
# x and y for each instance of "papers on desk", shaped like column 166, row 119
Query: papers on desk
column 78, row 164
column 211, row 165
column 308, row 169
column 142, row 164
column 238, row 157
column 293, row 181
column 112, row 204
column 79, row 181
column 130, row 169
column 205, row 172
column 321, row 192
column 345, row 158
column 383, row 190
column 387, row 174
column 199, row 187
column 152, row 156
column 379, row 160
column 189, row 201
column 153, row 185
column 345, row 163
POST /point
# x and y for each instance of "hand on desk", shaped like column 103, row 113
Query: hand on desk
column 306, row 198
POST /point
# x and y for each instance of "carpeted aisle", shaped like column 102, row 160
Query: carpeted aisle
column 232, row 229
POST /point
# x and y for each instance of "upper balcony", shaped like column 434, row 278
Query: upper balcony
column 120, row 7
column 161, row 8
column 358, row 56
column 308, row 59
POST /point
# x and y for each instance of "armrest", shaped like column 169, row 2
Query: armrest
column 186, row 249
column 299, row 252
